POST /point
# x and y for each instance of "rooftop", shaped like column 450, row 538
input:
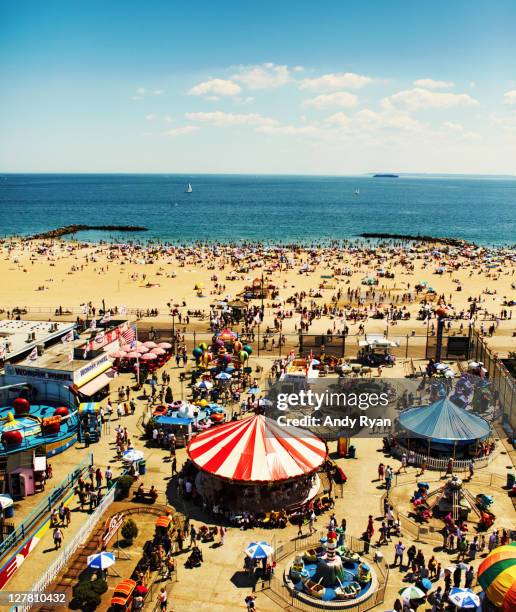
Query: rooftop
column 19, row 337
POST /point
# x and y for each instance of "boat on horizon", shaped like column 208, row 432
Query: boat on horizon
column 357, row 191
column 387, row 175
column 189, row 188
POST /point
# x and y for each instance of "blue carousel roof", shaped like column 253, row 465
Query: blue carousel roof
column 444, row 421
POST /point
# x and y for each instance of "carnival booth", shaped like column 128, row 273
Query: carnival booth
column 376, row 350
column 442, row 429
column 257, row 465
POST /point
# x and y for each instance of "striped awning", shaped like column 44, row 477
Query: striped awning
column 257, row 449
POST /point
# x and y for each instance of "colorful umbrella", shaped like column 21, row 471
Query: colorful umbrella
column 101, row 561
column 411, row 592
column 497, row 577
column 223, row 376
column 204, row 384
column 259, row 550
column 464, row 598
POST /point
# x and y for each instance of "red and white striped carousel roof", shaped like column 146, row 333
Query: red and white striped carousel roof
column 257, row 449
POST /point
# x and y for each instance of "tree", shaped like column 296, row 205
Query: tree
column 129, row 531
column 86, row 595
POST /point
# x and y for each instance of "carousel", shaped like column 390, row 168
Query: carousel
column 442, row 429
column 256, row 465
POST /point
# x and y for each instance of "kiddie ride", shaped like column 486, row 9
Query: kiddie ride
column 331, row 573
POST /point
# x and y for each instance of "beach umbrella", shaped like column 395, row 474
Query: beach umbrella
column 223, row 376
column 101, row 561
column 411, row 592
column 464, row 598
column 142, row 349
column 259, row 550
column 148, row 356
column 5, row 502
column 254, row 391
column 165, row 345
column 132, row 455
column 426, row 584
column 158, row 351
column 149, row 344
column 132, row 355
column 497, row 577
column 204, row 384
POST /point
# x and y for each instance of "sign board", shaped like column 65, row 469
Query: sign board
column 113, row 524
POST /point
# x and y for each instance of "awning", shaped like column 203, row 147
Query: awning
column 98, row 383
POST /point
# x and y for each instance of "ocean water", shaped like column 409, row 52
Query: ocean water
column 269, row 208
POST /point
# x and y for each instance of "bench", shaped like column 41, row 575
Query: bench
column 145, row 496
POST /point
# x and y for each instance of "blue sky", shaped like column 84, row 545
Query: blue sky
column 333, row 87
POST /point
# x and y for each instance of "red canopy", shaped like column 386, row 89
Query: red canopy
column 257, row 449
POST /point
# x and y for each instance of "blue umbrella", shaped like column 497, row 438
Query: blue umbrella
column 223, row 376
column 101, row 561
column 254, row 391
column 464, row 598
column 426, row 584
column 259, row 550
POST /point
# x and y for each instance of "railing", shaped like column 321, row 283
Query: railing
column 52, row 572
column 440, row 465
column 34, row 518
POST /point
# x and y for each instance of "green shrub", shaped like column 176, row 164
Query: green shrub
column 129, row 530
column 86, row 595
column 123, row 484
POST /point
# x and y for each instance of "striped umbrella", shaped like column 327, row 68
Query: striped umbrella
column 497, row 577
column 101, row 561
column 411, row 592
column 464, row 598
column 259, row 550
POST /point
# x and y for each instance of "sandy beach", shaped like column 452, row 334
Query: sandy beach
column 42, row 276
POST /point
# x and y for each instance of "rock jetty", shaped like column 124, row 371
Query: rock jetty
column 72, row 229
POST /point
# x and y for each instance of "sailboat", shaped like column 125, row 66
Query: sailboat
column 357, row 191
column 189, row 188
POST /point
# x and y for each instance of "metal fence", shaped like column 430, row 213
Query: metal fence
column 501, row 380
column 34, row 519
column 46, row 579
column 440, row 465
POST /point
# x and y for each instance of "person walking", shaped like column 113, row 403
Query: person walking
column 58, row 537
column 399, row 549
column 163, row 599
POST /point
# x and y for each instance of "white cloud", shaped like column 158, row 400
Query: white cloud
column 433, row 84
column 215, row 87
column 509, row 97
column 140, row 91
column 338, row 99
column 180, row 131
column 149, row 117
column 158, row 92
column 136, row 97
column 369, row 120
column 298, row 69
column 417, row 98
column 339, row 80
column 457, row 129
column 287, row 130
column 220, row 118
column 263, row 76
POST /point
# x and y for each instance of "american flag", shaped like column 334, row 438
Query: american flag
column 129, row 334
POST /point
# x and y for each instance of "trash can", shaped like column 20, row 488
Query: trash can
column 142, row 467
column 352, row 453
column 511, row 479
